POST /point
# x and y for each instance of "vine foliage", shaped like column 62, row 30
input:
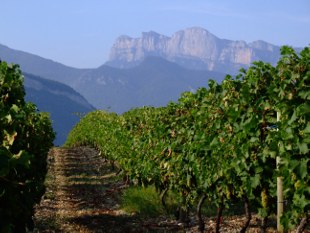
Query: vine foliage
column 25, row 139
column 220, row 143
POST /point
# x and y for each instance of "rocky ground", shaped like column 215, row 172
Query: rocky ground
column 83, row 195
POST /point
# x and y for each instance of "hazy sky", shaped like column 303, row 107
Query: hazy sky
column 80, row 33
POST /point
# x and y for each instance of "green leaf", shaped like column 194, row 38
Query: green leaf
column 254, row 139
column 288, row 134
column 255, row 180
column 15, row 108
column 9, row 118
column 214, row 142
column 293, row 118
column 293, row 163
column 307, row 129
column 302, row 170
column 304, row 95
column 300, row 201
column 303, row 109
column 303, row 148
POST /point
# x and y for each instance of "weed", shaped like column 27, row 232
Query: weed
column 144, row 201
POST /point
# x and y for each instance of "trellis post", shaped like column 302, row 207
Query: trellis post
column 279, row 192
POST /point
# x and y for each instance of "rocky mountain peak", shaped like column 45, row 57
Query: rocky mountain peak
column 194, row 48
column 193, row 42
column 151, row 34
column 196, row 32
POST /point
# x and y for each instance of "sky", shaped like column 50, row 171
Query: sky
column 80, row 33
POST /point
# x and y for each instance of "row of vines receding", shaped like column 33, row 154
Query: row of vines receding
column 221, row 143
column 25, row 139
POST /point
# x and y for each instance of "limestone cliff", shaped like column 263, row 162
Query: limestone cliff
column 193, row 48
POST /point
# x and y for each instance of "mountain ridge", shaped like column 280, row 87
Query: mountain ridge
column 184, row 61
column 155, row 81
column 115, row 89
column 194, row 48
column 43, row 67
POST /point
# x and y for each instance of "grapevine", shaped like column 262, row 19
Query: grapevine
column 26, row 137
column 221, row 142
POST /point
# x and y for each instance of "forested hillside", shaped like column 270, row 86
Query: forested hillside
column 64, row 105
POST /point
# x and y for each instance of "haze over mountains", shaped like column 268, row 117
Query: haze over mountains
column 155, row 81
column 151, row 70
column 63, row 103
column 185, row 59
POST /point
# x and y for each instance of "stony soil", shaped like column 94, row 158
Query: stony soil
column 83, row 195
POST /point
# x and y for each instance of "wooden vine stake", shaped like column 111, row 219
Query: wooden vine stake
column 279, row 193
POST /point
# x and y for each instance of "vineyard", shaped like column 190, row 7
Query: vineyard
column 26, row 137
column 225, row 143
column 228, row 143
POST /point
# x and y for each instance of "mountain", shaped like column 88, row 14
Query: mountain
column 151, row 70
column 63, row 103
column 40, row 66
column 155, row 82
column 194, row 48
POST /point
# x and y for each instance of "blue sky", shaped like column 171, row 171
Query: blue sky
column 80, row 33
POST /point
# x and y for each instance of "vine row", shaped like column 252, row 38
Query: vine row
column 220, row 143
column 25, row 139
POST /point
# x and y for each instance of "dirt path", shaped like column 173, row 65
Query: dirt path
column 83, row 195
